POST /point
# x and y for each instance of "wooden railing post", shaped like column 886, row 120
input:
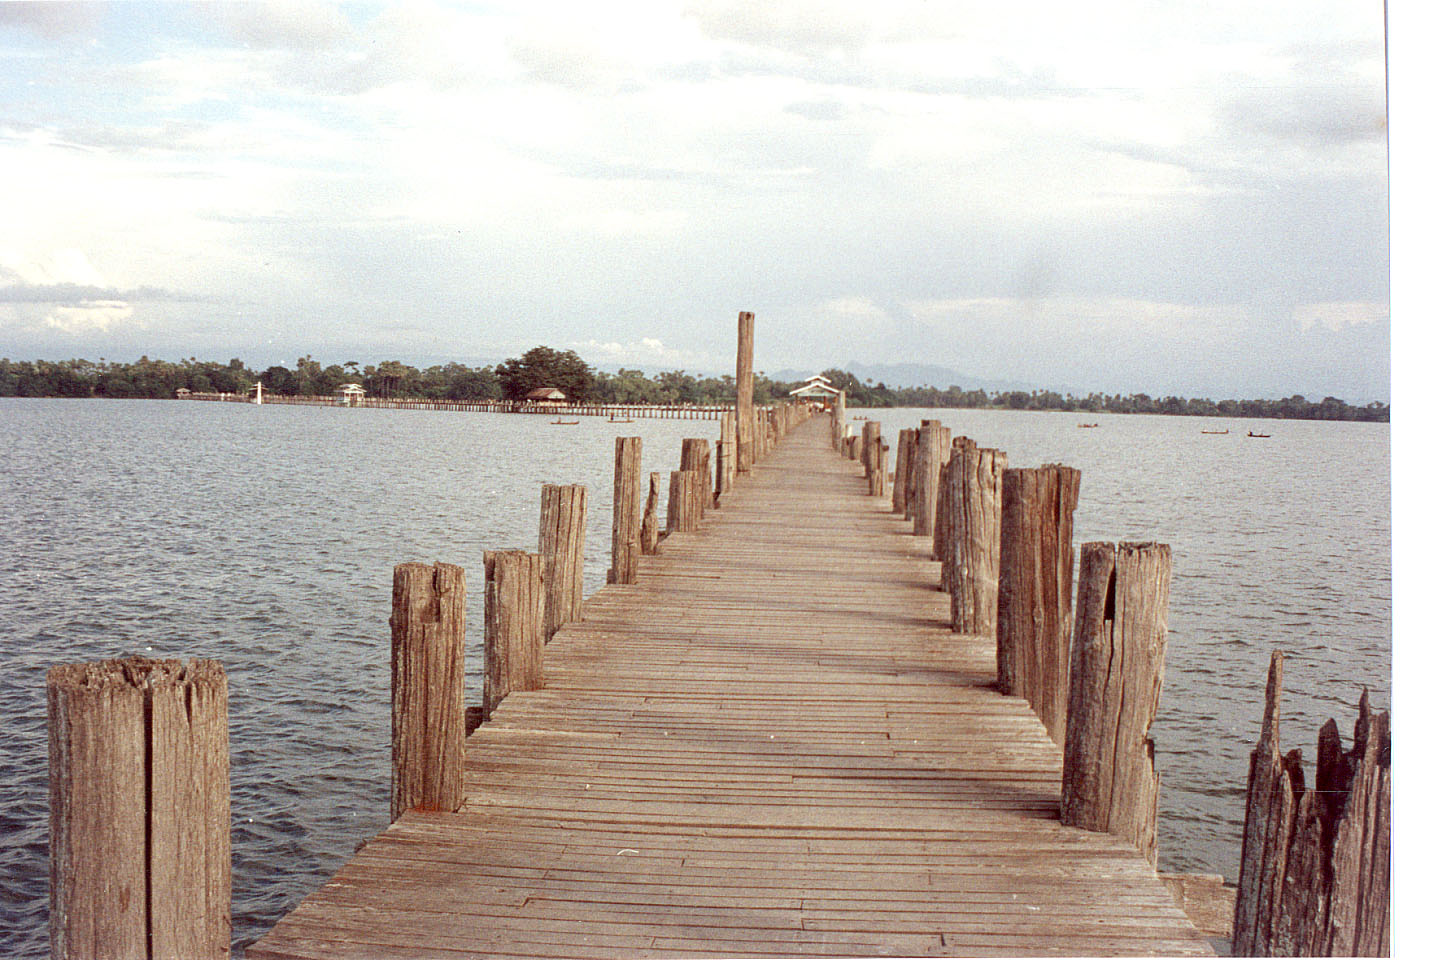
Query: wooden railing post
column 880, row 470
column 1315, row 862
column 627, row 513
column 139, row 809
column 904, row 443
column 514, row 625
column 952, row 460
column 650, row 519
column 931, row 450
column 745, row 392
column 427, row 687
column 562, row 544
column 975, row 557
column 695, row 457
column 682, row 509
column 725, row 464
column 838, row 422
column 1117, row 663
column 1033, row 609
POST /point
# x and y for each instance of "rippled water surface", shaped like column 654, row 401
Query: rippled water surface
column 264, row 537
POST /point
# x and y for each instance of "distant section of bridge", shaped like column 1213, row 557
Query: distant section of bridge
column 771, row 744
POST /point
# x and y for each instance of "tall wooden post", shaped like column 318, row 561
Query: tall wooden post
column 514, row 624
column 1117, row 663
column 903, row 445
column 627, row 513
column 1032, row 637
column 427, row 687
column 838, row 421
column 931, row 451
column 880, row 471
column 562, row 544
column 745, row 393
column 139, row 809
column 975, row 559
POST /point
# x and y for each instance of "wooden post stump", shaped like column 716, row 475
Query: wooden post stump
column 514, row 624
column 879, row 471
column 945, row 499
column 650, row 519
column 427, row 687
column 1315, row 862
column 139, row 809
column 931, row 451
column 628, row 513
column 725, row 467
column 695, row 457
column 682, row 510
column 562, row 544
column 975, row 559
column 1117, row 664
column 903, row 445
column 838, row 422
column 745, row 393
column 1033, row 610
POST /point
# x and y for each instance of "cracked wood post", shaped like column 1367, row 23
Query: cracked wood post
column 627, row 513
column 514, row 624
column 1033, row 609
column 869, row 440
column 745, row 393
column 942, row 543
column 902, row 469
column 139, row 809
column 650, row 519
column 838, row 422
column 1117, row 665
column 931, row 450
column 562, row 544
column 725, row 453
column 681, row 508
column 1315, row 862
column 695, row 457
column 427, row 687
column 879, row 470
column 975, row 572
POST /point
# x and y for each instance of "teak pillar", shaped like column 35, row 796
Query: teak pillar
column 427, row 687
column 562, row 544
column 1032, row 637
column 932, row 450
column 514, row 625
column 139, row 809
column 1117, row 664
column 628, row 513
column 975, row 557
column 745, row 393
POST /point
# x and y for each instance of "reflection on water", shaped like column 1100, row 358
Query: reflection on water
column 265, row 537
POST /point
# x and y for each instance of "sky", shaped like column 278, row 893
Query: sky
column 1124, row 196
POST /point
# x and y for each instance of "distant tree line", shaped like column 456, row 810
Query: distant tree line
column 566, row 371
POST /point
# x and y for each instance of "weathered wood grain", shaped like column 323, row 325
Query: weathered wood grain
column 628, row 510
column 514, row 625
column 427, row 687
column 974, row 558
column 562, row 544
column 650, row 518
column 1034, row 595
column 745, row 392
column 139, row 809
column 1117, row 666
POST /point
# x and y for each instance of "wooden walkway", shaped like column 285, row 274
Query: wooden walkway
column 771, row 745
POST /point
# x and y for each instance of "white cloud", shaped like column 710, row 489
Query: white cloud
column 1338, row 316
column 98, row 317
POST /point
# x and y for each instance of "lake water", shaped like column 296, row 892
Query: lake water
column 265, row 537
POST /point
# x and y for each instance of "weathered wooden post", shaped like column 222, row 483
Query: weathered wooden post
column 427, row 687
column 1315, row 862
column 562, row 544
column 880, row 470
column 1117, row 664
column 931, row 450
column 745, row 393
column 627, row 513
column 941, row 542
column 838, row 421
column 650, row 519
column 681, row 510
column 975, row 559
column 514, row 624
column 139, row 809
column 725, row 463
column 869, row 439
column 1032, row 637
column 695, row 457
column 852, row 447
column 903, row 446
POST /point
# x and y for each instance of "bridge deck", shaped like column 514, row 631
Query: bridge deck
column 772, row 744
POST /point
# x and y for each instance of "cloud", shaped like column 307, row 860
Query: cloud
column 55, row 21
column 644, row 352
column 97, row 317
column 797, row 26
column 1337, row 316
column 291, row 24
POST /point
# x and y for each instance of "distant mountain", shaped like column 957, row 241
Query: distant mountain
column 911, row 375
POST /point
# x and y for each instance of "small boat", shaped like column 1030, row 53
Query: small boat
column 1258, row 436
column 626, row 420
column 1086, row 426
column 1216, row 432
column 564, row 423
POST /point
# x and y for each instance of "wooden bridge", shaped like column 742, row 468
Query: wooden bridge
column 772, row 744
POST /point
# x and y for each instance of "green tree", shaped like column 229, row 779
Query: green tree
column 539, row 367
